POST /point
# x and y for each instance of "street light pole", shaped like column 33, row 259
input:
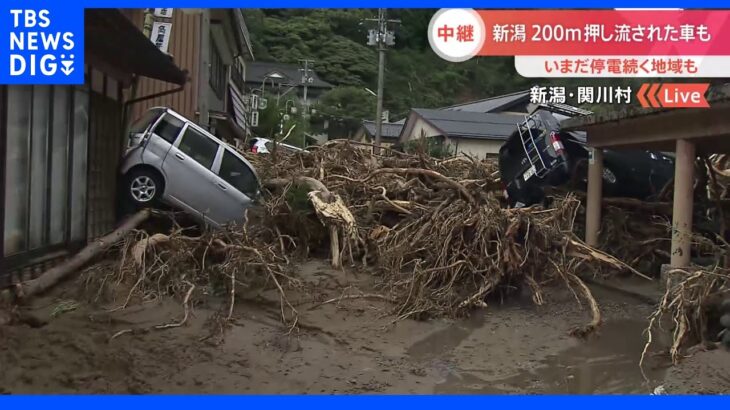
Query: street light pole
column 263, row 84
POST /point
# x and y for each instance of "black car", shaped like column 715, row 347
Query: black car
column 538, row 154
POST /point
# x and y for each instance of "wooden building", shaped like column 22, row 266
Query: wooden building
column 216, row 39
column 60, row 146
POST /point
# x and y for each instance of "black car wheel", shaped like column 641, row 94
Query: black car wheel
column 144, row 187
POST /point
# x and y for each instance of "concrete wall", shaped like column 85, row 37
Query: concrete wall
column 215, row 103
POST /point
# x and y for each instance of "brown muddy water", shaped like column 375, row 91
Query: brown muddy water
column 605, row 364
column 350, row 347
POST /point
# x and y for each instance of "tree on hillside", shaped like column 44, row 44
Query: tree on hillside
column 345, row 108
column 274, row 125
column 415, row 76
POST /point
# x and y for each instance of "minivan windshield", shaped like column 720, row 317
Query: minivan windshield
column 144, row 121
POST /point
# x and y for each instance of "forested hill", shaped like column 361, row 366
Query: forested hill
column 415, row 76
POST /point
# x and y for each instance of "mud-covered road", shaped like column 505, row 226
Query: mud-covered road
column 348, row 347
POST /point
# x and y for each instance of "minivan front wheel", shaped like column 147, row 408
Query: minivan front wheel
column 144, row 187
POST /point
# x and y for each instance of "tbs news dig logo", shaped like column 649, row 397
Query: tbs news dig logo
column 42, row 48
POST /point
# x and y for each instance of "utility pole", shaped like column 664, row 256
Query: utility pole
column 306, row 80
column 381, row 81
column 381, row 38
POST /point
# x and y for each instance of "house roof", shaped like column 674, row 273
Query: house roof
column 465, row 124
column 243, row 32
column 658, row 129
column 280, row 73
column 717, row 94
column 492, row 104
column 390, row 129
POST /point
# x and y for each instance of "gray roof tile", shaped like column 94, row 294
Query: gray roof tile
column 257, row 71
column 491, row 104
column 390, row 130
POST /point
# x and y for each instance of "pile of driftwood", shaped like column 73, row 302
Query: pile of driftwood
column 192, row 266
column 696, row 297
column 435, row 230
column 439, row 233
column 691, row 307
column 636, row 232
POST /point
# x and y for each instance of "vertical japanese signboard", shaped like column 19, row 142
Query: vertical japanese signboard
column 162, row 29
column 161, row 35
column 164, row 13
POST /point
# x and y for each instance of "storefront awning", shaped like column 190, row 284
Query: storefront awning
column 112, row 40
column 239, row 109
column 226, row 127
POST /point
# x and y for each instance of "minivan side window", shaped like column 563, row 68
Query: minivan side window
column 168, row 128
column 141, row 124
column 199, row 147
column 237, row 173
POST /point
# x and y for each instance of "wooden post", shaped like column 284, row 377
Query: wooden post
column 683, row 204
column 204, row 70
column 594, row 196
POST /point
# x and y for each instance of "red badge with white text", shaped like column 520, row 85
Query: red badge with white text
column 456, row 35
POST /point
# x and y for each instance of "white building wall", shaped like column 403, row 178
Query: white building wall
column 477, row 148
column 420, row 129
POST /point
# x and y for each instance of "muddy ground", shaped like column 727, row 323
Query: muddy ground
column 348, row 347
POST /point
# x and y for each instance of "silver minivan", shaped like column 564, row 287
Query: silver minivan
column 172, row 160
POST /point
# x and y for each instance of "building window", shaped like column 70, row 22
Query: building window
column 237, row 71
column 45, row 167
column 217, row 72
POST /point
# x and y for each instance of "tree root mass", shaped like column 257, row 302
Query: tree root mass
column 436, row 232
